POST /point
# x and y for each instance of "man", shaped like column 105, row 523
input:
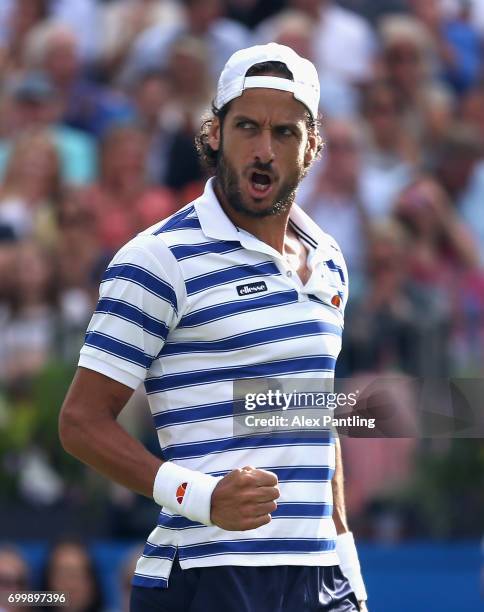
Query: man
column 238, row 284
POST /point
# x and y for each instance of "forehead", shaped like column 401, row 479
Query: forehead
column 268, row 106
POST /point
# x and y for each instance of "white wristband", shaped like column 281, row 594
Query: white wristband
column 185, row 491
column 350, row 565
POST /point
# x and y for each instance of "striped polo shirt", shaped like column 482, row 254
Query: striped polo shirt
column 175, row 313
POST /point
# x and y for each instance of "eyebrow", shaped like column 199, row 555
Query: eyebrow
column 288, row 124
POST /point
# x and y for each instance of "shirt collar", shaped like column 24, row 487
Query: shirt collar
column 213, row 220
column 216, row 224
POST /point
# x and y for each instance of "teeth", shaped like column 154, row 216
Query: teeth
column 260, row 187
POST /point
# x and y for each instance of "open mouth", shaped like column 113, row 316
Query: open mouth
column 260, row 184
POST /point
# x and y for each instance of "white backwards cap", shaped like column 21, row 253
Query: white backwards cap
column 233, row 82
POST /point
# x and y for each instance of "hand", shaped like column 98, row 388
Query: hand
column 363, row 607
column 244, row 499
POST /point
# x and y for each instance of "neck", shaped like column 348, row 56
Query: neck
column 271, row 229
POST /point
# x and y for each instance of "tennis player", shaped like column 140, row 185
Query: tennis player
column 238, row 284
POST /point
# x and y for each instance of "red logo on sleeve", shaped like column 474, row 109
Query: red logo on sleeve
column 180, row 492
column 336, row 301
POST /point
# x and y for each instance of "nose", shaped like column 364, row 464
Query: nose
column 263, row 150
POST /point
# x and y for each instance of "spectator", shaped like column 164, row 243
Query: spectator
column 14, row 574
column 477, row 13
column 472, row 109
column 343, row 43
column 442, row 247
column 124, row 20
column 54, row 49
column 69, row 568
column 32, row 187
column 390, row 153
column 21, row 18
column 458, row 162
column 202, row 19
column 388, row 144
column 33, row 103
column 121, row 202
column 81, row 15
column 79, row 257
column 29, row 329
column 192, row 94
column 394, row 325
column 427, row 106
column 296, row 29
column 152, row 94
column 456, row 42
column 460, row 170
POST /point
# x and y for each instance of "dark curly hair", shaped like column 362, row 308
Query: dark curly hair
column 208, row 155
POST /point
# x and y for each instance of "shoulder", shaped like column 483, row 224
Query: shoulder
column 335, row 261
column 334, row 253
column 155, row 246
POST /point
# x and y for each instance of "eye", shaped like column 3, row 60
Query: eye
column 245, row 125
column 284, row 130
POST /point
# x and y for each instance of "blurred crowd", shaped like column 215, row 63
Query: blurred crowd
column 70, row 567
column 100, row 102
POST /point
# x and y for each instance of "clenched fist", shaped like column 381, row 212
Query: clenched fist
column 244, row 499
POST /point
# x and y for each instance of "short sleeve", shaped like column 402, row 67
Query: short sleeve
column 342, row 270
column 336, row 266
column 139, row 302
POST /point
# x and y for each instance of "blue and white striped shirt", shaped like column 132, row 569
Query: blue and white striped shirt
column 174, row 313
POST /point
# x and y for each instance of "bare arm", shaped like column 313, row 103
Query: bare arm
column 339, row 508
column 337, row 484
column 88, row 430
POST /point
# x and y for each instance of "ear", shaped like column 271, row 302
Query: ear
column 311, row 147
column 214, row 134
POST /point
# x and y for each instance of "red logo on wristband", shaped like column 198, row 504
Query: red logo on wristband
column 180, row 492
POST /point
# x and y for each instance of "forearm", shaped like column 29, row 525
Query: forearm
column 345, row 545
column 106, row 447
column 92, row 434
column 337, row 484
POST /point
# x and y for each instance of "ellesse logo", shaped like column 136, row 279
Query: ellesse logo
column 180, row 492
column 336, row 301
column 251, row 288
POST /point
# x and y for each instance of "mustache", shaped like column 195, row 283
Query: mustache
column 258, row 166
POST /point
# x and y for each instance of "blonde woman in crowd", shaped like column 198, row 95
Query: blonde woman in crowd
column 31, row 188
column 29, row 328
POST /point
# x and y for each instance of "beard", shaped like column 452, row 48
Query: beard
column 229, row 182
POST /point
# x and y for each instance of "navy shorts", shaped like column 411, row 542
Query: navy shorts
column 282, row 588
